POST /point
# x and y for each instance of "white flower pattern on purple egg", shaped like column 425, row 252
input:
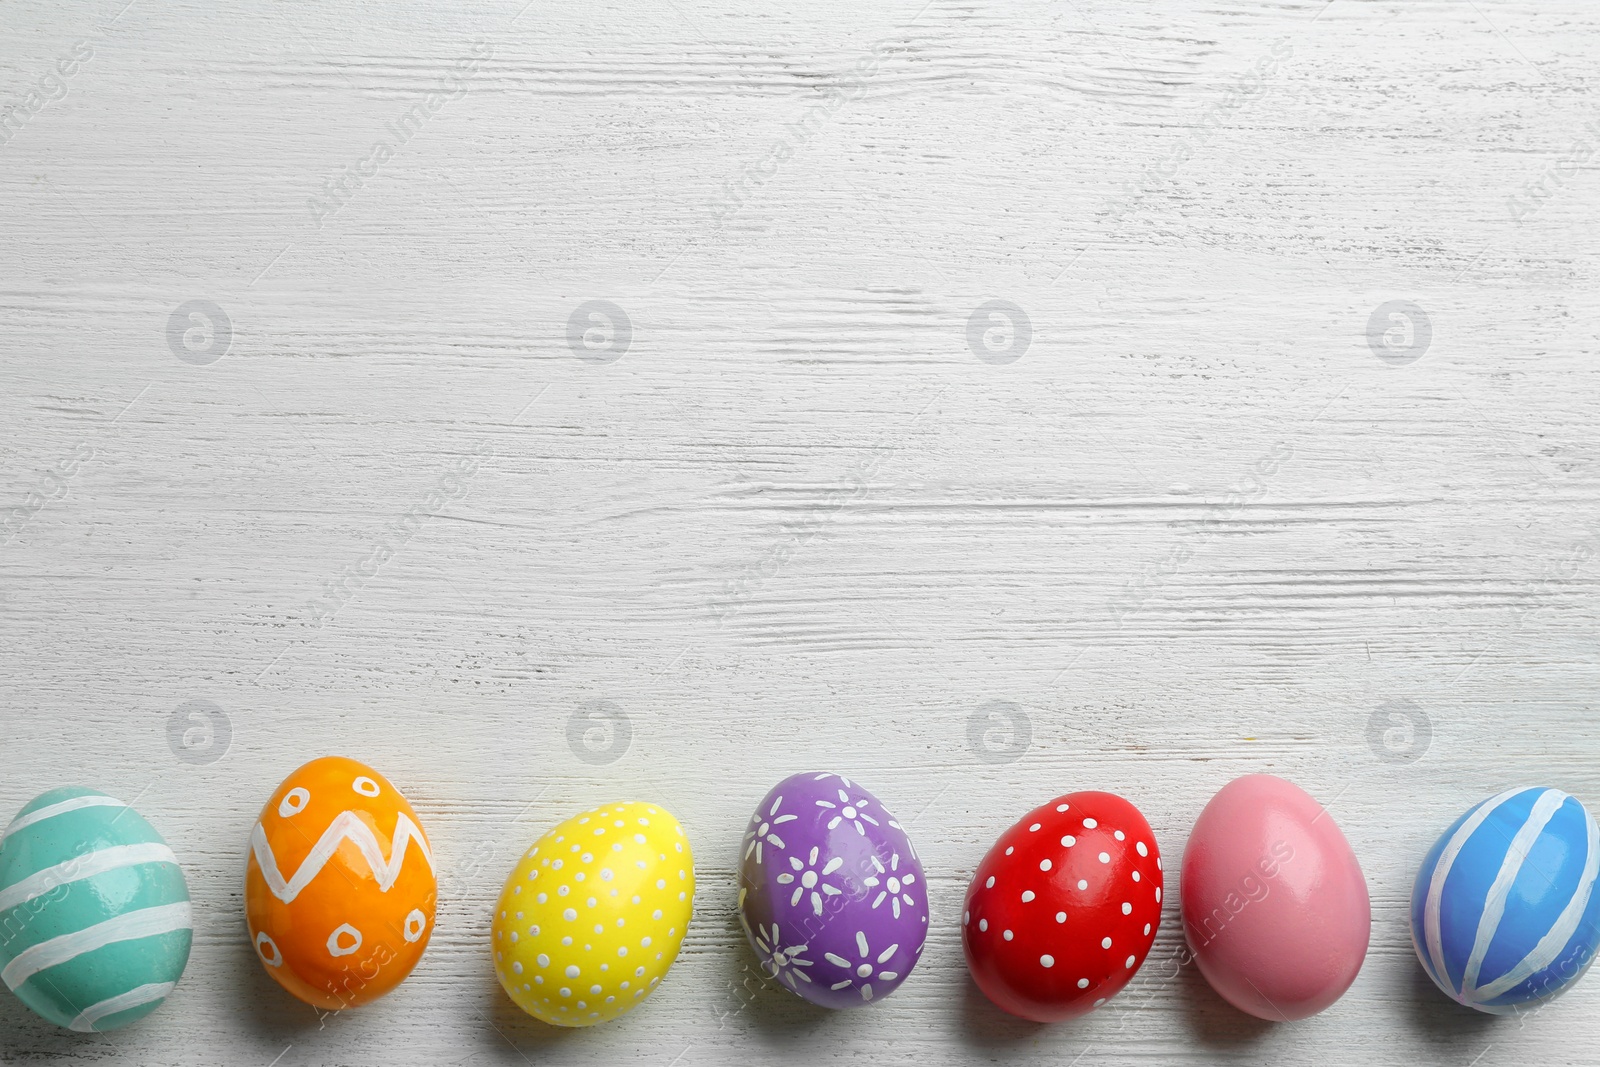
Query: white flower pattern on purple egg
column 764, row 829
column 811, row 879
column 867, row 968
column 849, row 810
column 893, row 885
column 781, row 962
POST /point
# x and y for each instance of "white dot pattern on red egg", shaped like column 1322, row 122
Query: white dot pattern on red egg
column 1076, row 882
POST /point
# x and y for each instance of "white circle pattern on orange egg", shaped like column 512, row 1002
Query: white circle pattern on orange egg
column 294, row 802
column 336, row 944
column 263, row 942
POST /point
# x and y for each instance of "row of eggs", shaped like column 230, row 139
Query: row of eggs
column 340, row 889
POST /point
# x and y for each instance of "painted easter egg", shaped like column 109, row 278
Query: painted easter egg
column 94, row 911
column 1504, row 914
column 1274, row 904
column 593, row 914
column 339, row 885
column 1063, row 910
column 831, row 895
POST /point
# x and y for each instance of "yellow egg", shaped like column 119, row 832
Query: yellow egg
column 594, row 914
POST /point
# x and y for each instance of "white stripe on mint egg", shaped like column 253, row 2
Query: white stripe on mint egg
column 133, row 998
column 1494, row 903
column 50, row 811
column 1441, row 871
column 146, row 922
column 1560, row 934
column 81, row 867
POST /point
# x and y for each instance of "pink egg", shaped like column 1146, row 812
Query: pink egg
column 1274, row 904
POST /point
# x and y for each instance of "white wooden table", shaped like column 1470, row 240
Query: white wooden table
column 1278, row 453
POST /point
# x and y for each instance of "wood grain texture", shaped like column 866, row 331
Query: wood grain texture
column 1197, row 528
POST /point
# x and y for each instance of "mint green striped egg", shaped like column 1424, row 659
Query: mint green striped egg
column 94, row 911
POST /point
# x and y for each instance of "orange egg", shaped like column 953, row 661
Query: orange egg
column 339, row 887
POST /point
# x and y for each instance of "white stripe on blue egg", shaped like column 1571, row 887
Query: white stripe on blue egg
column 95, row 923
column 1504, row 912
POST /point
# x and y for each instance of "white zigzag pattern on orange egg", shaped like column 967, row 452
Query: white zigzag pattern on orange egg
column 347, row 827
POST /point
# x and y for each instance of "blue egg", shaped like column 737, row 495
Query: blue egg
column 1504, row 914
column 94, row 911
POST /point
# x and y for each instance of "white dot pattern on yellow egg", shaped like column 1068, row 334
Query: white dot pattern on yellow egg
column 615, row 891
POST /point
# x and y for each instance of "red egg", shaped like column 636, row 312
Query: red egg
column 1063, row 910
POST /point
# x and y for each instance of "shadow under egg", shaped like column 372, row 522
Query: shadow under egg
column 270, row 1010
column 28, row 1035
column 1447, row 1024
column 984, row 1025
column 1211, row 1020
column 506, row 1024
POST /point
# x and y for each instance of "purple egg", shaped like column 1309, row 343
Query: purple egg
column 831, row 894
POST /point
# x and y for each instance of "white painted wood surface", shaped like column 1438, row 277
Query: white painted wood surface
column 1201, row 526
